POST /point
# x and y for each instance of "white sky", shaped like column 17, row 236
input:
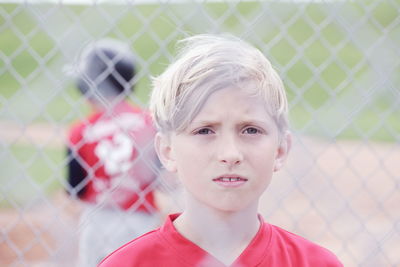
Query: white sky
column 83, row 2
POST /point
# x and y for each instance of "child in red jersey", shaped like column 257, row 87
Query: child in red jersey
column 112, row 162
column 221, row 113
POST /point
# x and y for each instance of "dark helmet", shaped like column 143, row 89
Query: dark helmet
column 106, row 68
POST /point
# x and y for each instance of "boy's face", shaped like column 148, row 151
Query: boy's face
column 225, row 158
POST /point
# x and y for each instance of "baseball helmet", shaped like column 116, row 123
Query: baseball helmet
column 106, row 68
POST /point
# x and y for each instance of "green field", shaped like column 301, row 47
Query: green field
column 321, row 65
column 29, row 173
column 331, row 70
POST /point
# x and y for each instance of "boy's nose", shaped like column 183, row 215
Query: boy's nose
column 229, row 152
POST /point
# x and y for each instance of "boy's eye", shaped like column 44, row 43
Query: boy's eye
column 204, row 131
column 251, row 130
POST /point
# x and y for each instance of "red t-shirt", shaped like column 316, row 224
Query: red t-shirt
column 272, row 247
column 115, row 149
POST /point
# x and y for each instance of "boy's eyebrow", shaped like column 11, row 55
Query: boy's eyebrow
column 242, row 122
column 255, row 121
column 205, row 122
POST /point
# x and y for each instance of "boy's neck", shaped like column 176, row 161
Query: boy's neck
column 102, row 106
column 222, row 234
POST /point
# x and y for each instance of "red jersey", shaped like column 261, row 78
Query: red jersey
column 271, row 247
column 115, row 150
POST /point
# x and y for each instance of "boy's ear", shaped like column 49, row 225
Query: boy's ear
column 283, row 150
column 163, row 148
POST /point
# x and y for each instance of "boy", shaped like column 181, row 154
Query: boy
column 111, row 155
column 221, row 113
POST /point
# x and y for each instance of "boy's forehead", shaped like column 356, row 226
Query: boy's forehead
column 230, row 95
column 229, row 101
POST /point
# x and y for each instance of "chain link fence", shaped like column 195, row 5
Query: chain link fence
column 339, row 61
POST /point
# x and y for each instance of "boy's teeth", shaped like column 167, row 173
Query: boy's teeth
column 225, row 179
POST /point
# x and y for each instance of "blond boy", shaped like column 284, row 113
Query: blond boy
column 221, row 114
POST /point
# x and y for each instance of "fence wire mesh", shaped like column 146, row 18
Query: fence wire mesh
column 339, row 62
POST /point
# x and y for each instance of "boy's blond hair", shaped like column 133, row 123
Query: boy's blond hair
column 205, row 64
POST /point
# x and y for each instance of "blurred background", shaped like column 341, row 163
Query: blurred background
column 340, row 64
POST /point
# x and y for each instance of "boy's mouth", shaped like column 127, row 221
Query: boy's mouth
column 230, row 180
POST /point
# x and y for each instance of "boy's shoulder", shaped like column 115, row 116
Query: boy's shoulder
column 151, row 249
column 140, row 249
column 76, row 129
column 301, row 250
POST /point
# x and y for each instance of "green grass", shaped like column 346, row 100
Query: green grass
column 29, row 173
column 145, row 26
column 329, row 85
